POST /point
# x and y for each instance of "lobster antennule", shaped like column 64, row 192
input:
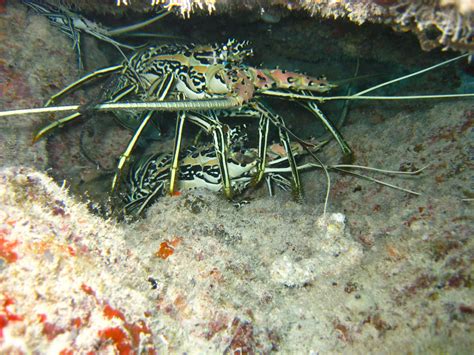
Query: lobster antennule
column 282, row 79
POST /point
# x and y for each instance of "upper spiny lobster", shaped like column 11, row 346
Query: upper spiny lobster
column 199, row 72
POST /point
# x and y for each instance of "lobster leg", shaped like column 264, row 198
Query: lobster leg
column 122, row 30
column 279, row 180
column 147, row 180
column 314, row 109
column 72, row 24
column 263, row 127
column 278, row 121
column 211, row 125
column 96, row 74
column 43, row 131
column 62, row 21
column 128, row 151
column 156, row 192
column 162, row 92
column 176, row 149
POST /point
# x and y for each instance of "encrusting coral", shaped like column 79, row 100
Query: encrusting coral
column 437, row 23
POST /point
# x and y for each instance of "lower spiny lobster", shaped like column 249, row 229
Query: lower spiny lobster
column 148, row 177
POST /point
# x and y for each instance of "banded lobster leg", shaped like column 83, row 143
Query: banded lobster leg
column 94, row 75
column 250, row 112
column 333, row 130
column 159, row 90
column 265, row 115
column 91, row 76
column 162, row 88
column 63, row 21
column 269, row 116
column 211, row 124
column 263, row 129
column 149, row 175
column 157, row 169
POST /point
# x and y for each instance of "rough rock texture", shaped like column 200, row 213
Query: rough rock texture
column 197, row 275
column 26, row 81
column 64, row 285
column 383, row 271
column 445, row 23
column 435, row 24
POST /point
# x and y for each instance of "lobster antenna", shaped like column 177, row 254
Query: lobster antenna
column 346, row 104
column 411, row 75
column 157, row 35
column 170, row 106
column 292, row 96
column 123, row 30
column 328, row 186
column 326, row 173
column 383, row 171
column 354, row 78
column 358, row 96
column 362, row 176
column 377, row 181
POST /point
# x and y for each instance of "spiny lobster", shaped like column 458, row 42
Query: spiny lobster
column 148, row 177
column 203, row 84
column 200, row 72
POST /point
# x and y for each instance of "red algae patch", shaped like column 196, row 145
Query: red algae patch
column 58, row 290
column 167, row 248
column 7, row 313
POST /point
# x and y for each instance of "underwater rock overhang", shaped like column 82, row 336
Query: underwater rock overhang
column 436, row 23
